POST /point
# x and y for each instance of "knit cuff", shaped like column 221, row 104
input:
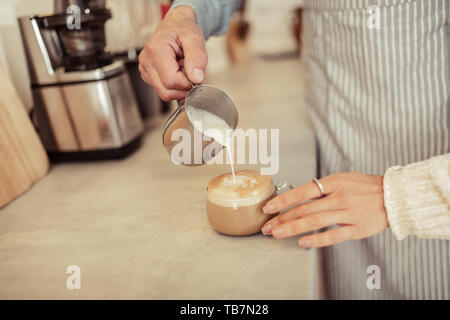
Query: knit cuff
column 417, row 198
column 396, row 202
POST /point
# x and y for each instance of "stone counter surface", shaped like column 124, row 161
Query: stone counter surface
column 137, row 227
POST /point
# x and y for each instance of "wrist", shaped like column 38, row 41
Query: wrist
column 185, row 11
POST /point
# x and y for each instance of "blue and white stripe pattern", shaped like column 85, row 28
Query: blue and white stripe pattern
column 379, row 98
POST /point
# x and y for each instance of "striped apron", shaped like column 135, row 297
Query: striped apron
column 379, row 98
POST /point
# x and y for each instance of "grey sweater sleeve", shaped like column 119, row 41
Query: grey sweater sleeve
column 213, row 16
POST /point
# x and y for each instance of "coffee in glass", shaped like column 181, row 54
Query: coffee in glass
column 235, row 207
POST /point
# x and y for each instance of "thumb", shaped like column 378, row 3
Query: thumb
column 195, row 58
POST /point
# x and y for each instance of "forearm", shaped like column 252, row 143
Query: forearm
column 213, row 16
column 417, row 198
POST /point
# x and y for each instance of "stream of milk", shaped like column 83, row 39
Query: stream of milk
column 204, row 121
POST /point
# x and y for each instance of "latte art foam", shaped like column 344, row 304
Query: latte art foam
column 241, row 180
column 250, row 188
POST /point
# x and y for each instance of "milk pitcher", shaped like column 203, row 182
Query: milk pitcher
column 179, row 126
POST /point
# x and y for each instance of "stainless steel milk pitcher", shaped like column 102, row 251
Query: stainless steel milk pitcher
column 204, row 97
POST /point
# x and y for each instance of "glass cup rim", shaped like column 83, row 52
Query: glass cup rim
column 241, row 202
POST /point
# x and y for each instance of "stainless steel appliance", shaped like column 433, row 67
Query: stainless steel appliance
column 150, row 105
column 84, row 104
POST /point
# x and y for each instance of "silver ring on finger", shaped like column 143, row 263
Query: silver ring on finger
column 320, row 186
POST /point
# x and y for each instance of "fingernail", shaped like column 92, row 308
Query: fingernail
column 278, row 232
column 269, row 208
column 306, row 243
column 266, row 229
column 197, row 75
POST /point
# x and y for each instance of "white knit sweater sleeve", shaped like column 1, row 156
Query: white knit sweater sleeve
column 417, row 198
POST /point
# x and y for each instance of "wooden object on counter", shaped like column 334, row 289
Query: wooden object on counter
column 23, row 159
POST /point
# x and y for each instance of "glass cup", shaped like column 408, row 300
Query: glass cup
column 236, row 208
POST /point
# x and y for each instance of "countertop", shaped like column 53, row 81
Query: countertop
column 137, row 227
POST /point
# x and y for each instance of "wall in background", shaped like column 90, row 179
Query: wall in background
column 12, row 55
column 270, row 32
column 271, row 25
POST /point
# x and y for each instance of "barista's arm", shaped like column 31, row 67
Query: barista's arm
column 175, row 55
column 213, row 16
